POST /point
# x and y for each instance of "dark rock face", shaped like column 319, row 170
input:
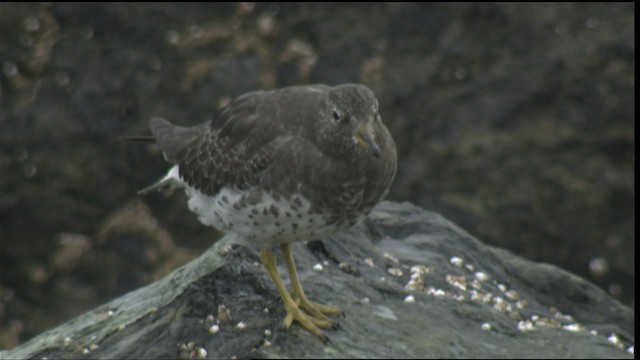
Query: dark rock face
column 412, row 284
column 515, row 121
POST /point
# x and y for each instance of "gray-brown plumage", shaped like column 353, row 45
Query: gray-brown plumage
column 298, row 163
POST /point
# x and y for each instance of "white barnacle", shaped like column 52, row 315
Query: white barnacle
column 560, row 316
column 457, row 281
column 614, row 339
column 435, row 292
column 368, row 261
column 412, row 285
column 573, row 327
column 390, row 258
column 476, row 284
column 214, row 329
column 546, row 322
column 526, row 325
column 500, row 304
column 469, row 267
column 481, row 276
column 512, row 295
column 394, row 271
column 521, row 304
column 456, row 261
column 202, row 353
column 226, row 249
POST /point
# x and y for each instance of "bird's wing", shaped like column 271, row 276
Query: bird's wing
column 232, row 150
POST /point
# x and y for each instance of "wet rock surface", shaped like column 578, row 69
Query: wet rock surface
column 515, row 121
column 411, row 283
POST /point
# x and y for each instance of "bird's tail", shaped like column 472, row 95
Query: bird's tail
column 170, row 181
column 171, row 138
column 138, row 138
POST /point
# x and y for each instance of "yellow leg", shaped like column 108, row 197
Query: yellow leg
column 316, row 310
column 293, row 312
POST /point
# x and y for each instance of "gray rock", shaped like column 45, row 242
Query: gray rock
column 469, row 300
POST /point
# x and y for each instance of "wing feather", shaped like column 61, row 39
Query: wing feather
column 236, row 152
column 238, row 145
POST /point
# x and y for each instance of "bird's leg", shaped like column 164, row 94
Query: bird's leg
column 314, row 309
column 293, row 312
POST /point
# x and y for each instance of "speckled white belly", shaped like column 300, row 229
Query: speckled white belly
column 260, row 218
column 268, row 222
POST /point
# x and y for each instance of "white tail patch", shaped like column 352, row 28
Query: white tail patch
column 171, row 180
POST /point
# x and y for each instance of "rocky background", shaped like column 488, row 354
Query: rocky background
column 514, row 121
column 420, row 286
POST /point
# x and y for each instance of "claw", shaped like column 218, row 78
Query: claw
column 322, row 323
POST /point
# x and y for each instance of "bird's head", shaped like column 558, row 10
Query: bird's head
column 351, row 120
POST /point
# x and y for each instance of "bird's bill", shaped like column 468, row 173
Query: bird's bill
column 364, row 137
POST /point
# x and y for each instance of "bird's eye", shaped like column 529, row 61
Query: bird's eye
column 336, row 116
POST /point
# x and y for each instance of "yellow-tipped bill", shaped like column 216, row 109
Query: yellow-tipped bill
column 364, row 138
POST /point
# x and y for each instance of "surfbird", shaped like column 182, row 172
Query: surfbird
column 294, row 164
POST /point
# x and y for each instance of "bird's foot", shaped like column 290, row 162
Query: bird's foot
column 318, row 311
column 308, row 322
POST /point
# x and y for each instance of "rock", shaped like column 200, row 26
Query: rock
column 411, row 283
